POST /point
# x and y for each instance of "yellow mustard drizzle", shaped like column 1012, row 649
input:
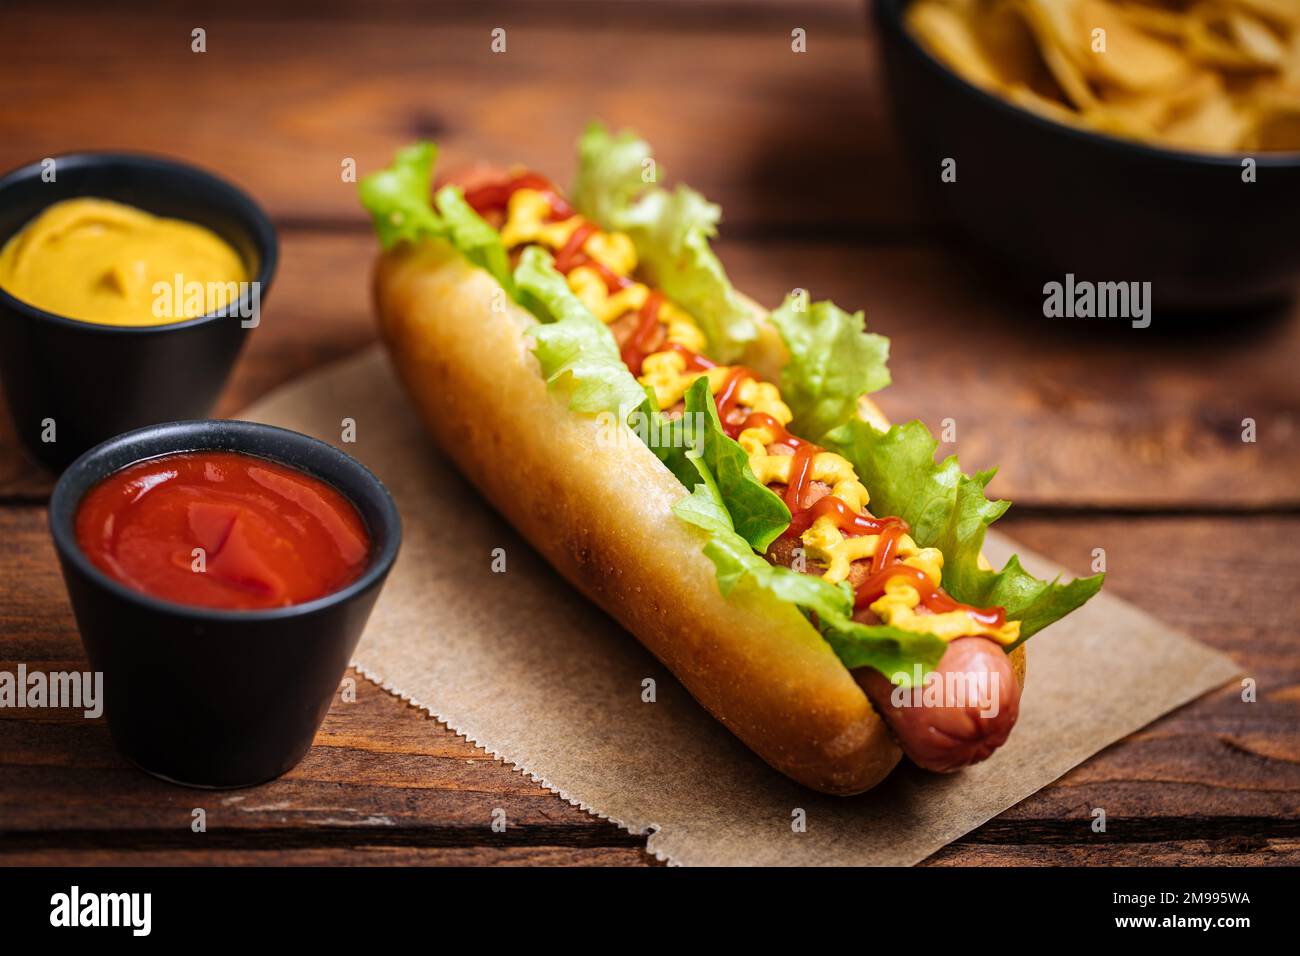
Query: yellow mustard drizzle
column 665, row 372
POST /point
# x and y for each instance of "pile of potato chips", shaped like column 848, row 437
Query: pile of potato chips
column 1207, row 75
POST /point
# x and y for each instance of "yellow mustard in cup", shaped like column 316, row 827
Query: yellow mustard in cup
column 106, row 262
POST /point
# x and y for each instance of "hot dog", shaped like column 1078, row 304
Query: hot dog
column 952, row 734
column 713, row 475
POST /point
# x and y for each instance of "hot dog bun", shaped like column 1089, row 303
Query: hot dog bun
column 461, row 348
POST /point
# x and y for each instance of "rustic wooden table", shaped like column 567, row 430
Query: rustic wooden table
column 1125, row 440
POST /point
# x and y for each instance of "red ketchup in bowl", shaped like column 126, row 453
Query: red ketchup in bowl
column 222, row 530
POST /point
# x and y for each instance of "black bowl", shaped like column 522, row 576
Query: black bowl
column 1048, row 199
column 94, row 381
column 209, row 697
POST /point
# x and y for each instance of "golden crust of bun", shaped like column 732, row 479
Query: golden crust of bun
column 464, row 355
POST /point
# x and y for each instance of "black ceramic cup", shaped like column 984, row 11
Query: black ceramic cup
column 93, row 381
column 1049, row 200
column 207, row 697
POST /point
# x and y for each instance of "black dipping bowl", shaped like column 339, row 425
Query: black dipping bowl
column 95, row 381
column 207, row 697
column 1049, row 200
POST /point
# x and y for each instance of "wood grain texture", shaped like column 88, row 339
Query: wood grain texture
column 352, row 856
column 280, row 98
column 1217, row 778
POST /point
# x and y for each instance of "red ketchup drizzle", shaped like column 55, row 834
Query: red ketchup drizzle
column 496, row 196
column 779, row 434
column 493, row 196
column 886, row 548
column 571, row 256
column 874, row 586
column 796, row 488
column 729, row 395
column 637, row 346
column 613, row 281
column 848, row 521
column 801, row 463
column 566, row 260
column 694, row 361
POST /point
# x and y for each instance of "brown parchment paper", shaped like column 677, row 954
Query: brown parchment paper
column 521, row 665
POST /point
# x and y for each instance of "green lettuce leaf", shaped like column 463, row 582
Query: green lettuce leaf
column 671, row 232
column 948, row 510
column 735, row 559
column 833, row 361
column 898, row 654
column 477, row 241
column 895, row 653
column 757, row 514
column 613, row 171
column 397, row 197
column 576, row 350
column 541, row 289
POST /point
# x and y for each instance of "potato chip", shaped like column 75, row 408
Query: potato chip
column 1054, row 26
column 1013, row 49
column 1281, row 13
column 1208, row 75
column 951, row 37
column 1232, row 39
column 1276, row 126
column 1133, row 59
column 1212, row 124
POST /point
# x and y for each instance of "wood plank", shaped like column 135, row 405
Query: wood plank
column 352, row 856
column 20, row 478
column 402, row 770
column 962, row 853
column 1232, row 852
column 1187, row 853
column 278, row 101
column 1082, row 416
column 1218, row 777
